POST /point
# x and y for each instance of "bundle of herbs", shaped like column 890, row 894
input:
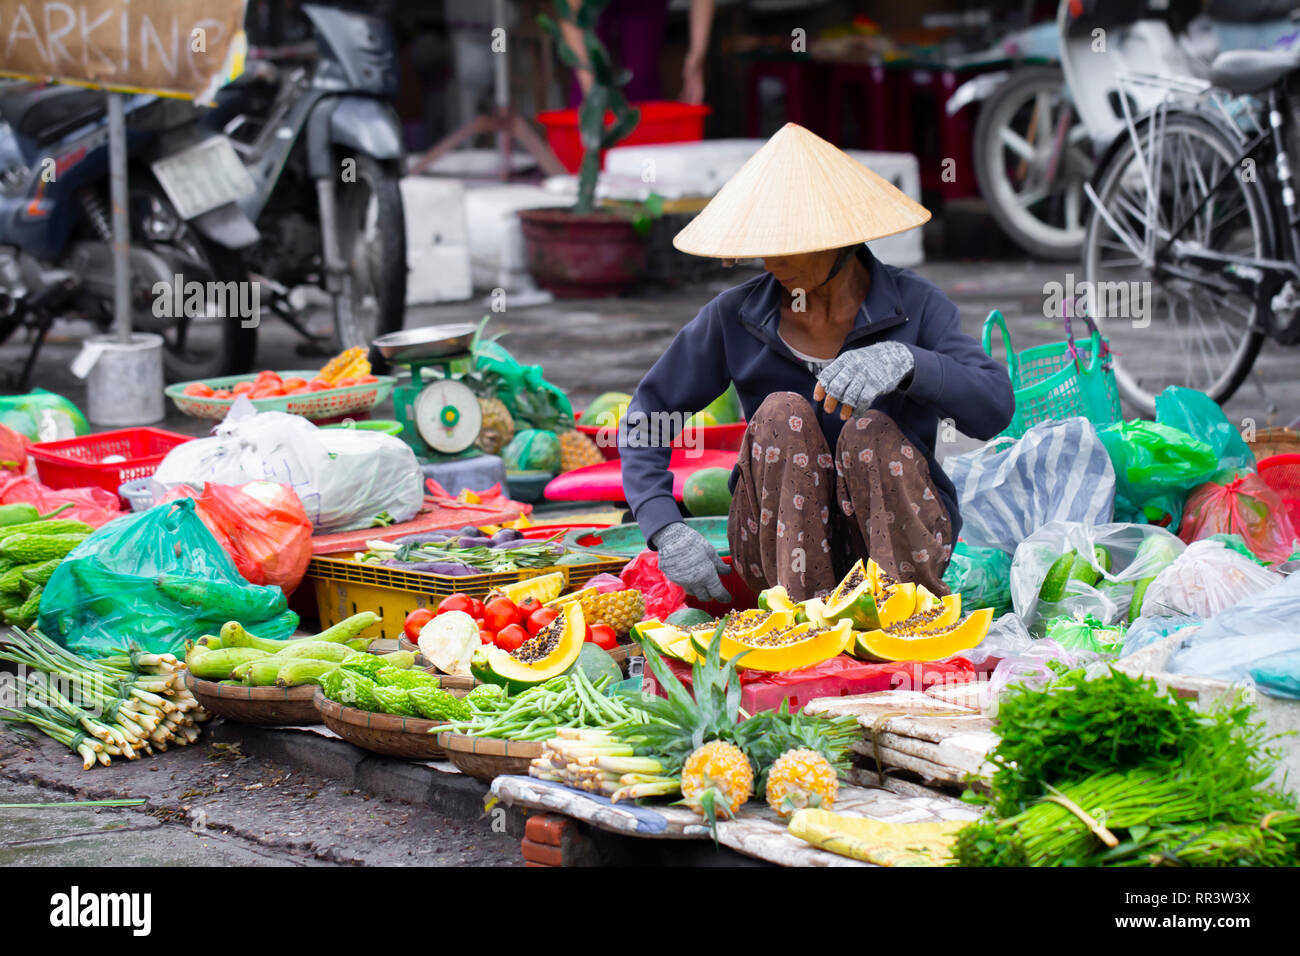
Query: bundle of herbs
column 1114, row 772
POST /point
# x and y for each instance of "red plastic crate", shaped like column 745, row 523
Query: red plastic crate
column 662, row 121
column 79, row 462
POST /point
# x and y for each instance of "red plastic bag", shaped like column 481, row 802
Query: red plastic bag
column 13, row 451
column 1245, row 506
column 662, row 597
column 261, row 525
column 94, row 506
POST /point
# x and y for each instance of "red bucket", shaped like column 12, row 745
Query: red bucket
column 1282, row 474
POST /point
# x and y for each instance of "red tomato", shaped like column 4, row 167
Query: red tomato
column 199, row 390
column 266, row 375
column 318, row 385
column 367, row 379
column 223, row 393
column 500, row 613
column 415, row 622
column 476, row 609
column 242, row 387
column 456, row 602
column 268, row 390
column 541, row 617
column 510, row 637
column 603, row 636
column 528, row 605
column 346, row 383
column 486, row 636
column 294, row 385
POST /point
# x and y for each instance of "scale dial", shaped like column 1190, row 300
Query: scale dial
column 447, row 416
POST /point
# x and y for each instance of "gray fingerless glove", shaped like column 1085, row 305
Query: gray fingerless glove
column 859, row 377
column 688, row 560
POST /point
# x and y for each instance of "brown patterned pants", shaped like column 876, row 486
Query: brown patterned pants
column 799, row 517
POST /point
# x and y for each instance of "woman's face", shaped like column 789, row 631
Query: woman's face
column 805, row 272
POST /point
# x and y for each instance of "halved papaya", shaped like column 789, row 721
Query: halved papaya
column 777, row 598
column 751, row 623
column 855, row 600
column 923, row 645
column 548, row 654
column 802, row 645
column 668, row 639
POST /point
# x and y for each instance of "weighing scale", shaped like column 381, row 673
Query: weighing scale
column 440, row 416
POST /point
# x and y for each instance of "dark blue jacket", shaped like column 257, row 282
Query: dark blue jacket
column 734, row 339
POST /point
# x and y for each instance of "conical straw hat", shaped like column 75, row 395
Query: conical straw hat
column 798, row 194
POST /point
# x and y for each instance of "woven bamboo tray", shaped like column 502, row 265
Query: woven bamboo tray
column 268, row 706
column 385, row 734
column 486, row 758
column 1275, row 441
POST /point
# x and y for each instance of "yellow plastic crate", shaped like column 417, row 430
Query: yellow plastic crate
column 345, row 587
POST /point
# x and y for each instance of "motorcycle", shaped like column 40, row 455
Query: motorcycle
column 1043, row 123
column 314, row 128
column 56, row 235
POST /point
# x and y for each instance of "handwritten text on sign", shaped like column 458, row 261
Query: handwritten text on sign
column 178, row 46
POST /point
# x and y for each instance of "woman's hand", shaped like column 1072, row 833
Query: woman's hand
column 858, row 378
column 688, row 560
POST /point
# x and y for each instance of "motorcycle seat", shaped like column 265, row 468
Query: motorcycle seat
column 45, row 114
column 1251, row 71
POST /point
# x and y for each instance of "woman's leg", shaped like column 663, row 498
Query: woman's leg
column 779, row 526
column 897, row 516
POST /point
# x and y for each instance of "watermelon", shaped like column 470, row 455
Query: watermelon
column 706, row 493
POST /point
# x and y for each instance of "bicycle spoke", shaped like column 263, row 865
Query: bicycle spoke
column 1016, row 143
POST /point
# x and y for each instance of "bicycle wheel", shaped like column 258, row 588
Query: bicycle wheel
column 1032, row 157
column 1184, row 323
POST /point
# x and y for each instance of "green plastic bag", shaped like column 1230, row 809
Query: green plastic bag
column 1155, row 467
column 152, row 581
column 23, row 413
column 1200, row 416
column 1089, row 634
column 533, row 449
column 531, row 399
column 982, row 576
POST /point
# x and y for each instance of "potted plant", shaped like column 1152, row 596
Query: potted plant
column 584, row 251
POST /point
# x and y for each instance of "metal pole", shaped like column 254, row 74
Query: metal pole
column 121, row 222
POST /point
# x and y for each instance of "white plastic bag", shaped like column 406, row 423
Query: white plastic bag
column 344, row 477
column 1007, row 637
column 1207, row 578
column 1138, row 552
column 1059, row 471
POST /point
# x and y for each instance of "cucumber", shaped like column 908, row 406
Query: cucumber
column 38, row 548
column 217, row 665
column 1053, row 587
column 303, row 671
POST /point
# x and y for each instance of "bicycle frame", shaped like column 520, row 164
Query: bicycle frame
column 1258, row 277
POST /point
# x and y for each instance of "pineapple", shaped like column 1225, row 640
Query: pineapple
column 717, row 780
column 617, row 609
column 801, row 778
column 577, row 450
column 498, row 426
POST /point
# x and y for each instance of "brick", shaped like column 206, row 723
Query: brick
column 547, row 828
column 541, row 853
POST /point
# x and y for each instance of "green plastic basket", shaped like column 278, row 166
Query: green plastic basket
column 315, row 406
column 626, row 540
column 1060, row 380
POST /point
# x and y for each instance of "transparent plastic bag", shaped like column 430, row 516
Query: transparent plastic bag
column 154, row 580
column 1244, row 506
column 1207, row 579
column 1155, row 467
column 1137, row 553
column 1151, row 628
column 1030, row 669
column 1279, row 674
column 982, row 576
column 1007, row 637
column 1007, row 490
column 1106, row 640
column 344, row 477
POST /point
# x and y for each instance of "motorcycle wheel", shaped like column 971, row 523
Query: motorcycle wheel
column 195, row 347
column 1014, row 152
column 372, row 232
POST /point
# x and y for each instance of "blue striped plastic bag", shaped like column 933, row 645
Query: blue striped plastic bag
column 1007, row 490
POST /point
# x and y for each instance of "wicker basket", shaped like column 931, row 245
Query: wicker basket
column 486, row 758
column 385, row 734
column 1275, row 441
column 268, row 706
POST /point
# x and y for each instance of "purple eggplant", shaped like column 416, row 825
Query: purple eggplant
column 457, row 568
column 425, row 537
column 469, row 531
column 507, row 545
column 478, row 541
column 507, row 534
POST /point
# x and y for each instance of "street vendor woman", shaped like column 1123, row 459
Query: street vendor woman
column 844, row 366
